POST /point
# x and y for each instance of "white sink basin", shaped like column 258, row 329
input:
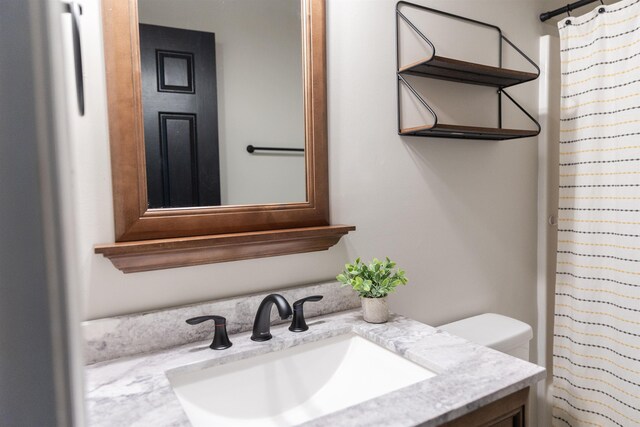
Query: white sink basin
column 295, row 385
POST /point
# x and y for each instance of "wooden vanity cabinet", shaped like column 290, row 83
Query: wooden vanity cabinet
column 510, row 411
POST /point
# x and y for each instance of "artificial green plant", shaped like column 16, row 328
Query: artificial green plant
column 374, row 280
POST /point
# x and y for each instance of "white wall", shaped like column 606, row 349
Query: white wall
column 548, row 191
column 459, row 216
column 259, row 81
column 468, row 224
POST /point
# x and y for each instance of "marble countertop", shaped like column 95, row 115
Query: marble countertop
column 135, row 391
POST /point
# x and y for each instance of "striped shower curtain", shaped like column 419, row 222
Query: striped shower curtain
column 596, row 363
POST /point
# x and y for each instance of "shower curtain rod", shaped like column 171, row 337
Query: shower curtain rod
column 565, row 9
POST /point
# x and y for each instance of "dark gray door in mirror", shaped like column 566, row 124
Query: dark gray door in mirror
column 180, row 117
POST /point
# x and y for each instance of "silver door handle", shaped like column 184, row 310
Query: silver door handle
column 76, row 10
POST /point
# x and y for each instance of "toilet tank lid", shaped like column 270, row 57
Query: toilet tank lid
column 499, row 332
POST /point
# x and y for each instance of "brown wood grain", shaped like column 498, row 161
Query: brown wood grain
column 122, row 63
column 180, row 252
column 455, row 69
column 508, row 411
column 133, row 220
column 150, row 239
column 469, row 129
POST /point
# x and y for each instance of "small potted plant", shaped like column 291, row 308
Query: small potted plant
column 373, row 282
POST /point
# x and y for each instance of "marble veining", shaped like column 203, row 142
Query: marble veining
column 107, row 339
column 135, row 391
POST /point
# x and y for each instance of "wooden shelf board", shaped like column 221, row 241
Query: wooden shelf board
column 442, row 68
column 467, row 132
column 146, row 255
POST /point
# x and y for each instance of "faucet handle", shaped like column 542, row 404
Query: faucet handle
column 298, row 323
column 314, row 298
column 219, row 320
column 220, row 337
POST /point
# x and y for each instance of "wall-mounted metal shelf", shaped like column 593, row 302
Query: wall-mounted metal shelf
column 443, row 68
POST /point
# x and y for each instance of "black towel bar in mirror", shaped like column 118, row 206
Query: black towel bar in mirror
column 252, row 149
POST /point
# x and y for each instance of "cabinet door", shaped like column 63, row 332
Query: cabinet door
column 510, row 411
column 515, row 419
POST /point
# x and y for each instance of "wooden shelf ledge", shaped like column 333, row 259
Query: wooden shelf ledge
column 147, row 255
column 439, row 67
column 467, row 132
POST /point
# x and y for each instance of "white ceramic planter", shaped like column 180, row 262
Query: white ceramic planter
column 375, row 310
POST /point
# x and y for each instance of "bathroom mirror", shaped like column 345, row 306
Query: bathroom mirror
column 223, row 102
column 177, row 203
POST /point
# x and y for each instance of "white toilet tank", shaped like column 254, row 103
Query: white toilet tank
column 499, row 332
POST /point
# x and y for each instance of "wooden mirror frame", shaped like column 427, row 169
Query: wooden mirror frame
column 150, row 239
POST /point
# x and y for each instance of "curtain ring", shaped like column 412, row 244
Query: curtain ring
column 568, row 21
